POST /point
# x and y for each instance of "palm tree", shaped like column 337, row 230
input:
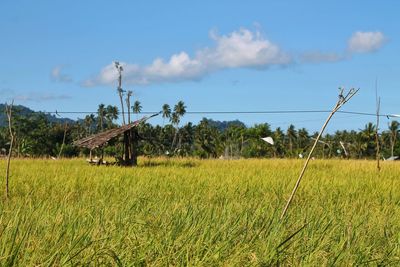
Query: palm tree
column 394, row 129
column 180, row 108
column 179, row 111
column 278, row 137
column 368, row 137
column 101, row 112
column 137, row 108
column 111, row 115
column 166, row 112
column 303, row 139
column 89, row 120
column 291, row 135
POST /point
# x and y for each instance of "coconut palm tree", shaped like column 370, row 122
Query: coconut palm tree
column 137, row 108
column 303, row 139
column 111, row 115
column 279, row 137
column 179, row 111
column 368, row 137
column 180, row 108
column 89, row 120
column 101, row 113
column 291, row 135
column 166, row 112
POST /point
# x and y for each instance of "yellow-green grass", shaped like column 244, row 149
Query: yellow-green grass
column 200, row 213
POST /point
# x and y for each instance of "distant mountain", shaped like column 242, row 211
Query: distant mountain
column 25, row 111
column 223, row 125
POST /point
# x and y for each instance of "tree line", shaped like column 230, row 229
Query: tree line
column 36, row 136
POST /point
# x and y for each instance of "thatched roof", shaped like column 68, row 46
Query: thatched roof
column 100, row 139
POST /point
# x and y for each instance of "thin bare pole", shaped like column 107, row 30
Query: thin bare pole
column 63, row 142
column 378, row 107
column 9, row 116
column 128, row 105
column 119, row 89
column 342, row 100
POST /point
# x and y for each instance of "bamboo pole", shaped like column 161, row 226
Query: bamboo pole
column 378, row 152
column 378, row 107
column 63, row 142
column 9, row 116
column 341, row 101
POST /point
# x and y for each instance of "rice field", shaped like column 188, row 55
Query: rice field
column 188, row 212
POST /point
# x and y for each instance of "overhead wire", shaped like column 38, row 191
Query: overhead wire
column 237, row 112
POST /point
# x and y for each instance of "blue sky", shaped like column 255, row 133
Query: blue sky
column 213, row 55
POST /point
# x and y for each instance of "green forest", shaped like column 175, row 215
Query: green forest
column 39, row 135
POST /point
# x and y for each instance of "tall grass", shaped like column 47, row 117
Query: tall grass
column 200, row 213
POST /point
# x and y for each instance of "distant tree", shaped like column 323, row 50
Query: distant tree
column 180, row 108
column 303, row 139
column 179, row 111
column 137, row 108
column 368, row 139
column 166, row 112
column 111, row 114
column 291, row 135
column 101, row 113
column 394, row 130
column 207, row 140
column 279, row 138
column 89, row 121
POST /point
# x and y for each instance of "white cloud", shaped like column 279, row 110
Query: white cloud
column 239, row 49
column 365, row 42
column 57, row 75
column 39, row 97
column 359, row 42
column 32, row 96
column 244, row 48
column 321, row 57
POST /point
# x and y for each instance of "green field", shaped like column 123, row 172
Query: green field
column 200, row 213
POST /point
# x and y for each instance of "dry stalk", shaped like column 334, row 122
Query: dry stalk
column 9, row 116
column 63, row 142
column 341, row 101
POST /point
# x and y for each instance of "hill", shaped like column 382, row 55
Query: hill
column 223, row 125
column 25, row 111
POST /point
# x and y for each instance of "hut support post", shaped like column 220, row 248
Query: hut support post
column 126, row 145
column 134, row 146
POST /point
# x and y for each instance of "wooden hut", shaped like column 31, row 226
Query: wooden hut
column 131, row 138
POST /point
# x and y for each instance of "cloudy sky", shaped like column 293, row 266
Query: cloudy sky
column 213, row 55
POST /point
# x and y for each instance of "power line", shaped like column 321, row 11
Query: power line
column 238, row 112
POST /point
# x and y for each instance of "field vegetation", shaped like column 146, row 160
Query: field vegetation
column 200, row 213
